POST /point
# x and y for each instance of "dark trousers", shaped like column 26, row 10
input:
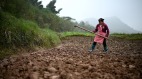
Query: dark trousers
column 104, row 45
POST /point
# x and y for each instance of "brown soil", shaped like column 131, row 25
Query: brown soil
column 71, row 60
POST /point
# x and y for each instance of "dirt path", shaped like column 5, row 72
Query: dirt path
column 70, row 60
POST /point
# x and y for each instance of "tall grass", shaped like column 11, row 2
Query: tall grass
column 19, row 33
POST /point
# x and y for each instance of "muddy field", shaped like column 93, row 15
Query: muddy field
column 71, row 60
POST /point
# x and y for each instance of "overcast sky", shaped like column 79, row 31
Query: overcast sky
column 129, row 11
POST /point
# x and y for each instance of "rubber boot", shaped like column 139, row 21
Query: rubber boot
column 92, row 48
column 105, row 49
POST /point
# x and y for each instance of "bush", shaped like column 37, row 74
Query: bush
column 20, row 33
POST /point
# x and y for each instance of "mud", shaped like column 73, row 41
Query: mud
column 71, row 60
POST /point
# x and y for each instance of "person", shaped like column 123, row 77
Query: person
column 102, row 33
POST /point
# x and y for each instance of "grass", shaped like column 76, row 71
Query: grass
column 137, row 36
column 67, row 34
column 18, row 34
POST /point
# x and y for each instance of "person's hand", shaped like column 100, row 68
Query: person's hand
column 106, row 35
column 93, row 32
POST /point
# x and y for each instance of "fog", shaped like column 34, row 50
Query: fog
column 129, row 11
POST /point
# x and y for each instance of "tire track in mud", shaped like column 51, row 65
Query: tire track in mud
column 71, row 60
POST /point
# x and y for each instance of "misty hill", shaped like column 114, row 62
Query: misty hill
column 115, row 25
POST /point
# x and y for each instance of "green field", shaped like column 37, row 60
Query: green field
column 137, row 36
column 67, row 34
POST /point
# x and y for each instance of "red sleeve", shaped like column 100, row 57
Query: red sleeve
column 107, row 29
column 96, row 29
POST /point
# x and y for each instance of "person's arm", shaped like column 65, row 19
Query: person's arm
column 96, row 29
column 107, row 29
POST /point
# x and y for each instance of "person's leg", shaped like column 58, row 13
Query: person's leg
column 105, row 45
column 93, row 47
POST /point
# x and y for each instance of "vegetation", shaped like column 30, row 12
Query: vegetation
column 26, row 24
column 17, row 34
column 66, row 34
column 137, row 36
column 51, row 6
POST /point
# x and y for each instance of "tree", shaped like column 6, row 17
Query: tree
column 82, row 23
column 15, row 7
column 68, row 18
column 51, row 7
column 36, row 3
